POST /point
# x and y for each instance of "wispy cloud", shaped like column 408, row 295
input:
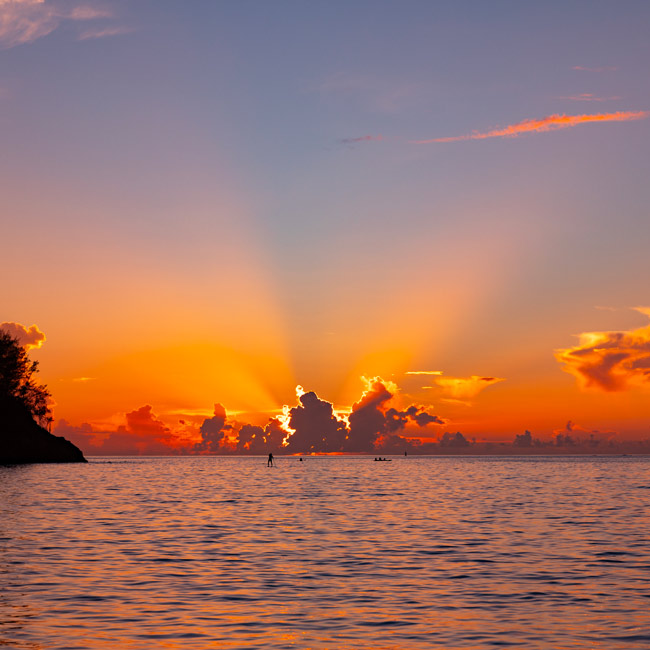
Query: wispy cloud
column 25, row 21
column 361, row 139
column 610, row 361
column 424, row 372
column 103, row 33
column 602, row 68
column 462, row 388
column 542, row 125
column 589, row 97
column 84, row 12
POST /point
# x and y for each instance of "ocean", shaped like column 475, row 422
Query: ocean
column 333, row 552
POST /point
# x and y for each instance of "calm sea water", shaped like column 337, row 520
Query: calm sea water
column 328, row 553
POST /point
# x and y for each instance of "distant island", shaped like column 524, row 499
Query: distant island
column 23, row 411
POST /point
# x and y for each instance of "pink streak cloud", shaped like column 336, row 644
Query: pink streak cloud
column 541, row 125
column 604, row 68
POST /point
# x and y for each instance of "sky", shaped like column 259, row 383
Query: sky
column 208, row 204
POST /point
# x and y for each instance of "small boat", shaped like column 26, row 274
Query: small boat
column 383, row 460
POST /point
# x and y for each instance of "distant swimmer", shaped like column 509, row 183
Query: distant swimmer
column 270, row 461
column 300, row 459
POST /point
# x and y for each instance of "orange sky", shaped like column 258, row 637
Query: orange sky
column 215, row 206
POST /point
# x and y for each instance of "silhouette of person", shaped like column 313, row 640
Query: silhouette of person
column 270, row 461
column 301, row 459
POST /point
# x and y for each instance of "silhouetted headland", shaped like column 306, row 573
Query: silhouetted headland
column 23, row 401
column 22, row 440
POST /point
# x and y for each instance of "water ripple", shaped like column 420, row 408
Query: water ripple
column 195, row 553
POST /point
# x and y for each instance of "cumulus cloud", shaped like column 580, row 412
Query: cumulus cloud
column 368, row 418
column 574, row 434
column 542, row 125
column 456, row 440
column 214, row 431
column 143, row 433
column 29, row 337
column 526, row 440
column 311, row 426
column 373, row 422
column 25, row 21
column 143, row 422
column 610, row 361
column 315, row 426
column 462, row 388
column 254, row 439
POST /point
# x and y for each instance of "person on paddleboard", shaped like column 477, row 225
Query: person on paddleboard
column 270, row 461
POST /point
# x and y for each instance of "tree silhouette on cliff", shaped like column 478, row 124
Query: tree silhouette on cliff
column 18, row 386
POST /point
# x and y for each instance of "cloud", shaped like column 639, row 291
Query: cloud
column 103, row 33
column 84, row 12
column 30, row 338
column 574, row 434
column 542, row 125
column 526, row 440
column 589, row 97
column 610, row 361
column 315, row 426
column 311, row 426
column 143, row 433
column 457, row 440
column 143, row 422
column 25, row 21
column 85, row 436
column 361, row 139
column 461, row 388
column 372, row 421
column 424, row 372
column 214, row 431
column 368, row 418
column 604, row 68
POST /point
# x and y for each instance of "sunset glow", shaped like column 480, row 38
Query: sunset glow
column 223, row 231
